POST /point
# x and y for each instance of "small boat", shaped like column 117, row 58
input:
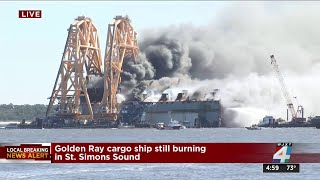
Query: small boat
column 160, row 126
column 174, row 124
column 254, row 127
column 125, row 126
column 12, row 126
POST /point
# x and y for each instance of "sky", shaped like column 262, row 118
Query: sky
column 228, row 42
column 32, row 48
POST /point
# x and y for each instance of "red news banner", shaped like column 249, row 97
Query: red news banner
column 153, row 153
column 168, row 153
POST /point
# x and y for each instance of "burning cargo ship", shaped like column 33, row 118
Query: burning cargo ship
column 87, row 89
column 192, row 113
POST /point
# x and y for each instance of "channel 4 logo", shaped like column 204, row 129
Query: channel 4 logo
column 283, row 152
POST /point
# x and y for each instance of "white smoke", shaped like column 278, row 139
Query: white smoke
column 233, row 54
column 120, row 98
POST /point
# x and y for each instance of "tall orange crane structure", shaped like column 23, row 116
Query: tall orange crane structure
column 82, row 59
column 121, row 43
column 297, row 116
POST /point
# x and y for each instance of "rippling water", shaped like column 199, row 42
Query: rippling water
column 154, row 171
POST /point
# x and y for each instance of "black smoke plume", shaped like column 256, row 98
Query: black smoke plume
column 231, row 53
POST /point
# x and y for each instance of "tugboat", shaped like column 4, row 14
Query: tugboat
column 254, row 127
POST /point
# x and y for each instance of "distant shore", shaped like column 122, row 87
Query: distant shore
column 12, row 112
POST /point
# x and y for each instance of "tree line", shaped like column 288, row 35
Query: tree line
column 19, row 112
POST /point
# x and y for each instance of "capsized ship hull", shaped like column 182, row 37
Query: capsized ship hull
column 192, row 114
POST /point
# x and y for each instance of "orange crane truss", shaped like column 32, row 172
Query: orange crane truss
column 82, row 57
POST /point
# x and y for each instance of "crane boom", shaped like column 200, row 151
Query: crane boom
column 283, row 87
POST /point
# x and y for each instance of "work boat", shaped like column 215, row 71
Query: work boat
column 254, row 127
column 160, row 126
column 174, row 124
column 125, row 126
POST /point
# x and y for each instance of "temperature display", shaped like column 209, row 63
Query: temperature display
column 283, row 168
